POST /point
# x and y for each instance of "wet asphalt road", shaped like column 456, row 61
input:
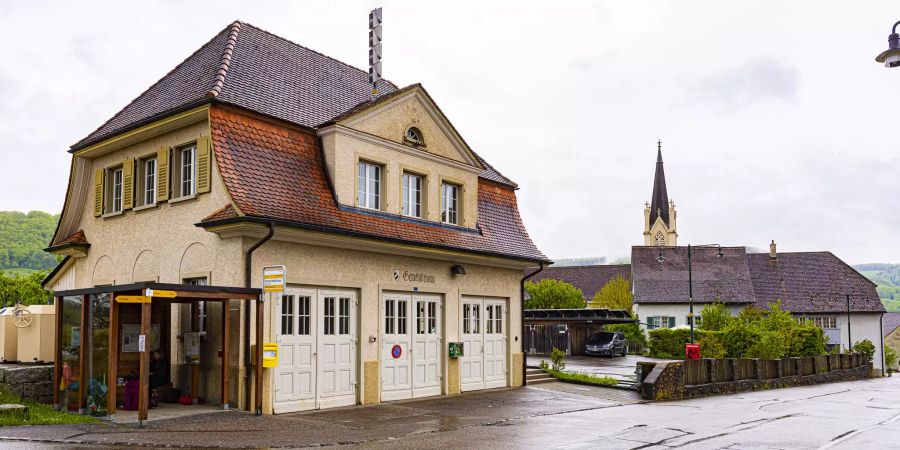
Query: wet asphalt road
column 853, row 415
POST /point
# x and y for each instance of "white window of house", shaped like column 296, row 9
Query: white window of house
column 369, row 188
column 113, row 188
column 199, row 281
column 146, row 181
column 654, row 322
column 697, row 320
column 188, row 163
column 450, row 203
column 412, row 195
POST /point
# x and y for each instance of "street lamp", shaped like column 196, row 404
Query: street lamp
column 719, row 254
column 891, row 56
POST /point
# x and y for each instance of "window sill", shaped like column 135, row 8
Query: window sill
column 145, row 207
column 183, row 198
column 112, row 214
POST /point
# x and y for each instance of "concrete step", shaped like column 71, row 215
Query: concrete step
column 534, row 371
column 540, row 380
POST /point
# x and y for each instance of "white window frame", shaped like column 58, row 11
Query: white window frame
column 368, row 196
column 412, row 194
column 148, row 173
column 188, row 169
column 201, row 306
column 113, row 194
column 654, row 322
column 450, row 210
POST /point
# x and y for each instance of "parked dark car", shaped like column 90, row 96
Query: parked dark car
column 606, row 343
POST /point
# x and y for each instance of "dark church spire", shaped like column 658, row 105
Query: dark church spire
column 659, row 203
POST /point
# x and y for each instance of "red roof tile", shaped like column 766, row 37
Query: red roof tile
column 276, row 172
column 76, row 238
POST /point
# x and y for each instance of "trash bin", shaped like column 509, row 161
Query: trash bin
column 691, row 351
column 37, row 336
column 8, row 336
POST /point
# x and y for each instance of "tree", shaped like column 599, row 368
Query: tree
column 615, row 294
column 553, row 294
column 24, row 289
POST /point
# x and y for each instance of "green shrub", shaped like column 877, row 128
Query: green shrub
column 558, row 358
column 809, row 340
column 866, row 347
column 668, row 343
column 582, row 378
column 737, row 338
column 711, row 345
column 770, row 345
column 715, row 317
column 890, row 356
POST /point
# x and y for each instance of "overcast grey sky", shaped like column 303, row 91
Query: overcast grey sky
column 776, row 121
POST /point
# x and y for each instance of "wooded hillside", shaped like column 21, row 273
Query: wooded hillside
column 23, row 238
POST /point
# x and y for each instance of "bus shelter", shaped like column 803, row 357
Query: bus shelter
column 105, row 337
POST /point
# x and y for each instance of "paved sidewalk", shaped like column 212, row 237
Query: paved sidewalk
column 354, row 425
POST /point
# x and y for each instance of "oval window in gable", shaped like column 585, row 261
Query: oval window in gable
column 414, row 136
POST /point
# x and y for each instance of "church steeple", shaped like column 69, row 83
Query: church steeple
column 659, row 200
column 659, row 214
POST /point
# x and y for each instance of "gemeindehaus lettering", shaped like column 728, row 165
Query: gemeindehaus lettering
column 413, row 277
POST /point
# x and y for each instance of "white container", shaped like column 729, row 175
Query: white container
column 8, row 336
column 37, row 340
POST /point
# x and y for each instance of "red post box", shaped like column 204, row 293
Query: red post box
column 692, row 351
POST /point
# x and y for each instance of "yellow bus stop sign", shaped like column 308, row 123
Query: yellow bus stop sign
column 132, row 299
column 158, row 293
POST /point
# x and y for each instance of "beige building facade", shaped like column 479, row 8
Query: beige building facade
column 396, row 238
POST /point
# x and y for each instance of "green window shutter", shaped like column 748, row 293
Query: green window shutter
column 671, row 322
column 203, row 163
column 98, row 192
column 162, row 174
column 127, row 183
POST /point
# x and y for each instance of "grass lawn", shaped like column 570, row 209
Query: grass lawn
column 582, row 378
column 38, row 414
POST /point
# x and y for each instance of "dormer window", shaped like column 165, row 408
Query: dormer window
column 414, row 136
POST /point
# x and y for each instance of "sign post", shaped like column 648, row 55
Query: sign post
column 274, row 278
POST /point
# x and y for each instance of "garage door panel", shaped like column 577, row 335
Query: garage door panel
column 483, row 332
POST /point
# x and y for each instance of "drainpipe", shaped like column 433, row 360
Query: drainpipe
column 881, row 329
column 248, row 277
column 522, row 291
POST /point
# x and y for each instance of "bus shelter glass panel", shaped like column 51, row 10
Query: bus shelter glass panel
column 97, row 364
column 70, row 349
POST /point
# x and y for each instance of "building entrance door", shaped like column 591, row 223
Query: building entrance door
column 316, row 335
column 484, row 335
column 411, row 346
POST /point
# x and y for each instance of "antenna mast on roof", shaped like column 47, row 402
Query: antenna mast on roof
column 374, row 49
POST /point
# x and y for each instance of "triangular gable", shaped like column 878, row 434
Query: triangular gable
column 390, row 116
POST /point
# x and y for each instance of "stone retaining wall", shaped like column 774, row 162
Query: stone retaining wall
column 693, row 378
column 33, row 383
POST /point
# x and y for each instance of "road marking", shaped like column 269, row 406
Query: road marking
column 858, row 432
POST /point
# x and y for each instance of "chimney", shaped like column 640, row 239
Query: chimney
column 773, row 255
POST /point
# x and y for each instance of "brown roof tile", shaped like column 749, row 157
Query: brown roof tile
column 811, row 282
column 276, row 172
column 726, row 279
column 76, row 238
column 587, row 278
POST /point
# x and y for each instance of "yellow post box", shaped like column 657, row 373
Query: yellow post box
column 270, row 355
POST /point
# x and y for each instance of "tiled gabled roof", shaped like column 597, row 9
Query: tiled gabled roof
column 725, row 278
column 251, row 68
column 275, row 172
column 587, row 278
column 890, row 323
column 254, row 69
column 811, row 282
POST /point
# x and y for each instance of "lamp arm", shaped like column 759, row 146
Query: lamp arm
column 894, row 29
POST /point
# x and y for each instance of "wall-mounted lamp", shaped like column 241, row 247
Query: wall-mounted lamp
column 457, row 269
column 660, row 258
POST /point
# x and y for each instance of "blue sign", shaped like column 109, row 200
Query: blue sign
column 396, row 351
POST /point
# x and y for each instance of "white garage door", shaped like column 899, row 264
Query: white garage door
column 483, row 332
column 411, row 346
column 316, row 350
